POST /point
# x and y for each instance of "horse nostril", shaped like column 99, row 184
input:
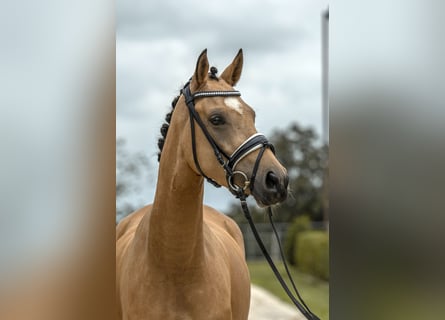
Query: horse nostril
column 272, row 180
column 275, row 187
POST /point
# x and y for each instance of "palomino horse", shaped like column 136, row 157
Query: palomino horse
column 180, row 259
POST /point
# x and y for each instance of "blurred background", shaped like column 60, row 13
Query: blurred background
column 156, row 51
column 386, row 152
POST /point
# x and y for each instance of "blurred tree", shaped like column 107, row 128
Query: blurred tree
column 132, row 172
column 306, row 163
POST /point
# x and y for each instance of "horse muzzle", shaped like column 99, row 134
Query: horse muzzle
column 271, row 187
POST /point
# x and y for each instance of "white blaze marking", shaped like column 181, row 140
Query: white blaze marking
column 233, row 103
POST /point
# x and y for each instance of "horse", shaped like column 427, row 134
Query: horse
column 178, row 258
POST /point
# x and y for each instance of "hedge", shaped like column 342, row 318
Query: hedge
column 299, row 224
column 312, row 253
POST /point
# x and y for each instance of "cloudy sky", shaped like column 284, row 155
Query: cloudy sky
column 158, row 43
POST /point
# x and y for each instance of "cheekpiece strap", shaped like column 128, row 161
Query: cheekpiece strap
column 254, row 142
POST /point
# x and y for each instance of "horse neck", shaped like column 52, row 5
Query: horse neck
column 176, row 224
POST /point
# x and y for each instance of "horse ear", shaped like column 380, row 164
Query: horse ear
column 202, row 68
column 233, row 72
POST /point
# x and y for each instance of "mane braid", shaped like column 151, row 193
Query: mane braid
column 165, row 126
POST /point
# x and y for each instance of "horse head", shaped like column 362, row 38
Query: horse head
column 219, row 124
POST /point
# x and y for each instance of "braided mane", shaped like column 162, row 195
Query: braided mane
column 165, row 126
column 168, row 116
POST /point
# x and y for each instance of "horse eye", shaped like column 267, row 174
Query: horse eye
column 217, row 120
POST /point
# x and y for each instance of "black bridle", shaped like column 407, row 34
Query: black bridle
column 227, row 162
column 255, row 142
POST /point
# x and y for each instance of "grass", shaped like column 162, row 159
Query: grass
column 314, row 291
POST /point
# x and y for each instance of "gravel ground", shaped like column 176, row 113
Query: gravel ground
column 265, row 306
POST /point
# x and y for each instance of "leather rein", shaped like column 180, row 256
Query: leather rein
column 255, row 142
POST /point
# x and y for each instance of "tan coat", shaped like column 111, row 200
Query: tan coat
column 178, row 259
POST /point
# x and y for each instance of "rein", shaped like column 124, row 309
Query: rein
column 251, row 144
